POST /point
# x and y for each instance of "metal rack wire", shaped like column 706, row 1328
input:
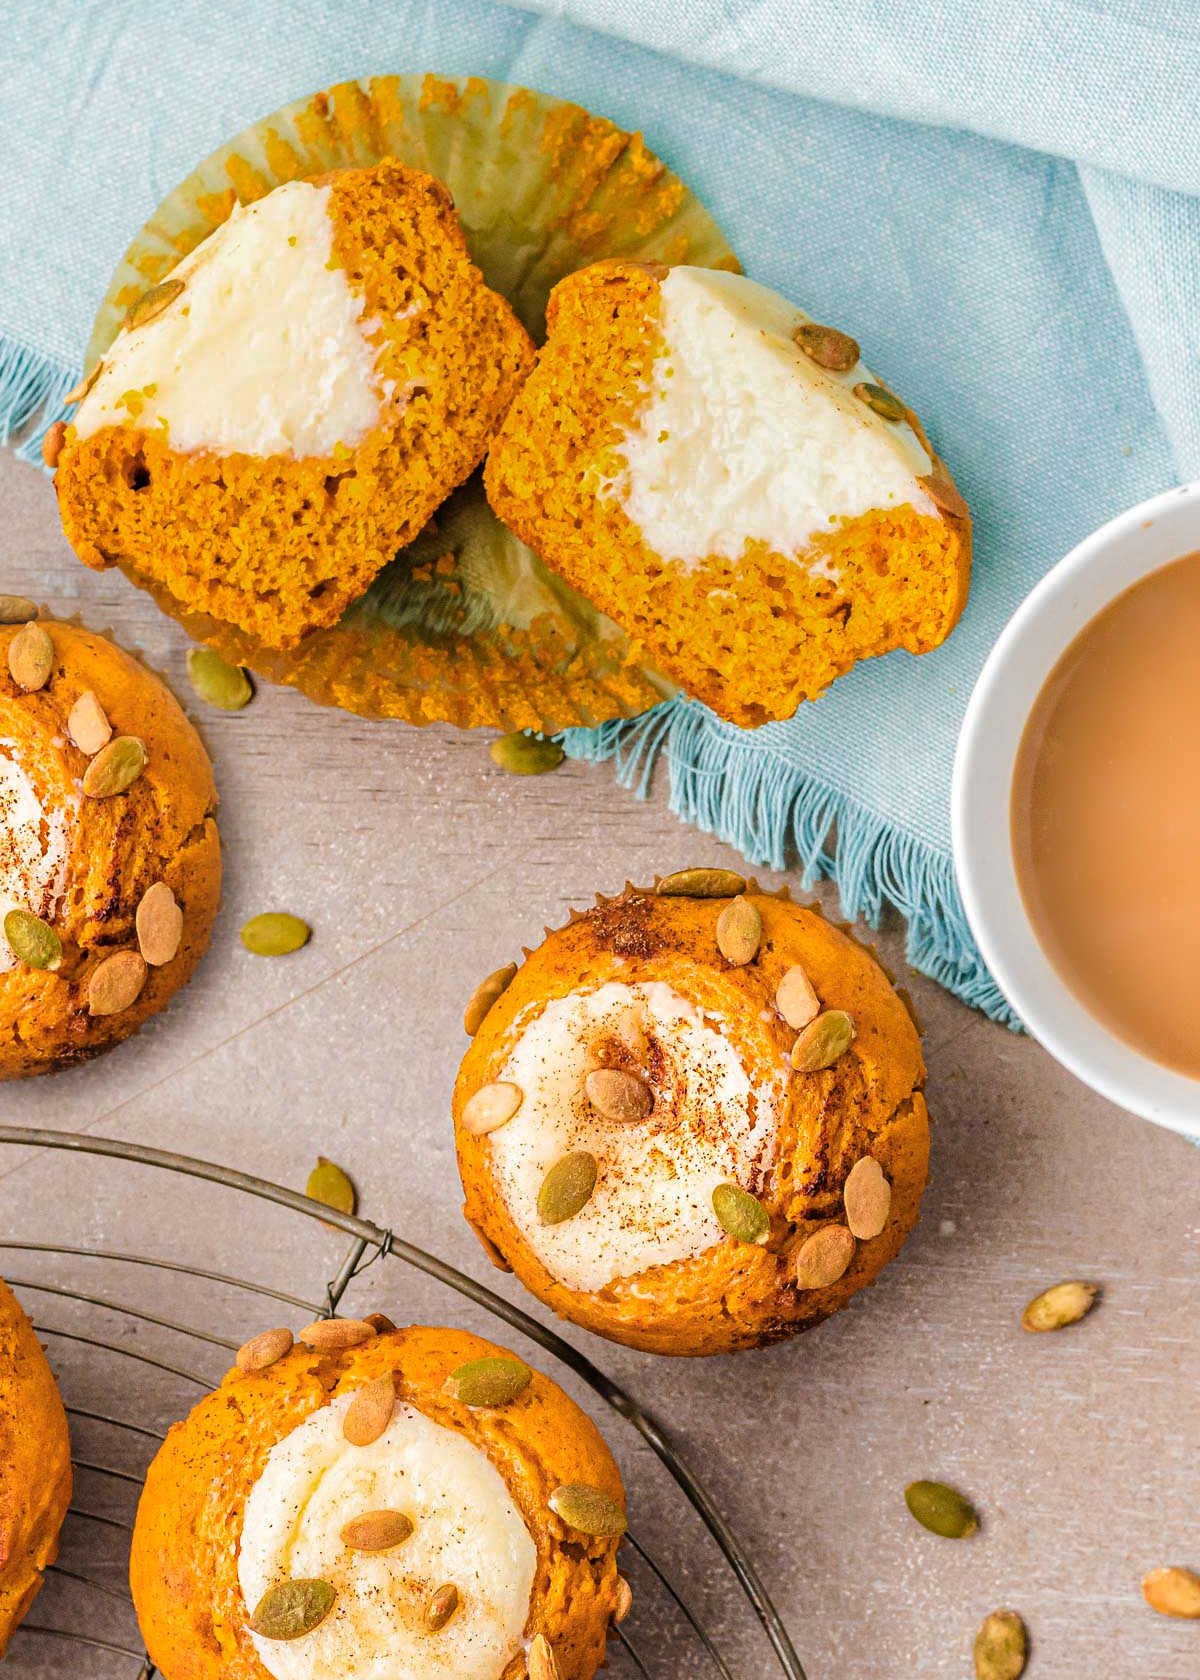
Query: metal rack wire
column 660, row 1603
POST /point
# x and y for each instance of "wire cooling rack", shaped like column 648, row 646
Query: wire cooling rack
column 84, row 1301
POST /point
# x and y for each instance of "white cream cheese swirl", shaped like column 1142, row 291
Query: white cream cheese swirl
column 35, row 847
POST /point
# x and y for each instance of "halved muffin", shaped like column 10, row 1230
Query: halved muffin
column 728, row 481
column 290, row 406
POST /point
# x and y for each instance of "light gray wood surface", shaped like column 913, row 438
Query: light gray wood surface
column 421, row 866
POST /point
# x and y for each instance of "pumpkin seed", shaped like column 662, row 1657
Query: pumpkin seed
column 441, row 1607
column 826, row 346
column 376, row 1531
column 77, row 392
column 795, row 998
column 485, row 995
column 588, row 1510
column 739, row 931
column 1001, row 1647
column 263, row 1350
column 329, row 1184
column 701, row 883
column 88, row 725
column 31, row 657
column 567, row 1187
column 52, row 443
column 32, row 941
column 741, row 1214
column 380, row 1323
column 115, row 767
column 159, row 924
column 275, row 934
column 17, row 609
column 526, row 755
column 491, row 1107
column 494, row 1380
column 823, row 1258
column 880, row 401
column 216, row 681
column 823, row 1041
column 941, row 1510
column 624, row 1599
column 152, row 303
column 618, row 1094
column 117, row 983
column 334, row 1335
column 292, row 1609
column 1173, row 1592
column 541, row 1662
column 867, row 1198
column 1060, row 1305
column 370, row 1411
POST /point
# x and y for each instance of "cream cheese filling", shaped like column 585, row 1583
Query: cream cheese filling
column 652, row 1204
column 35, row 848
column 743, row 438
column 467, row 1530
column 263, row 353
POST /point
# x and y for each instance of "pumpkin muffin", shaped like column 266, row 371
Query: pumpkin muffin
column 727, row 480
column 407, row 1503
column 692, row 1120
column 110, row 862
column 35, row 1465
column 290, row 406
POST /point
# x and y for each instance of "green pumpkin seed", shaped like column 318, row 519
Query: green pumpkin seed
column 880, row 401
column 485, row 995
column 275, row 934
column 826, row 346
column 17, row 609
column 31, row 657
column 292, row 1609
column 152, row 303
column 823, row 1041
column 567, row 1187
column 1001, row 1647
column 739, row 932
column 216, row 681
column 701, row 883
column 115, row 767
column 1063, row 1304
column 494, row 1380
column 441, row 1607
column 376, row 1531
column 588, row 1510
column 941, row 1510
column 31, row 940
column 526, row 755
column 328, row 1184
column 740, row 1214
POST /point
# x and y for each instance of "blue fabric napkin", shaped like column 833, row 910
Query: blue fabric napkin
column 996, row 200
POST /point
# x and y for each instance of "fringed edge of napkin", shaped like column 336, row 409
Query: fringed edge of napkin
column 32, row 388
column 775, row 813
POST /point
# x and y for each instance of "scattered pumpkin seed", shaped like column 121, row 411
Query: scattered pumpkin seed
column 376, row 1531
column 494, row 1380
column 1173, row 1592
column 826, row 346
column 541, row 1661
column 526, row 755
column 941, row 1510
column 1060, row 1305
column 823, row 1041
column 52, row 443
column 624, row 1599
column 491, row 1107
column 880, row 401
column 32, row 941
column 88, row 725
column 330, row 1184
column 370, row 1411
column 567, row 1187
column 152, row 303
column 1001, row 1647
column 159, row 924
column 380, row 1323
column 739, row 931
column 77, row 392
column 292, row 1608
column 867, row 1198
column 795, row 998
column 333, row 1335
column 115, row 767
column 618, row 1094
column 441, row 1607
column 275, row 934
column 31, row 657
column 216, row 681
column 17, row 609
column 116, row 984
column 823, row 1258
column 588, row 1510
column 485, row 995
column 263, row 1350
column 701, row 883
column 740, row 1214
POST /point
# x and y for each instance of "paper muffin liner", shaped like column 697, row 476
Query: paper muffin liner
column 466, row 625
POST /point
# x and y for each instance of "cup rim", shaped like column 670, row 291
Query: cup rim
column 1093, row 574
